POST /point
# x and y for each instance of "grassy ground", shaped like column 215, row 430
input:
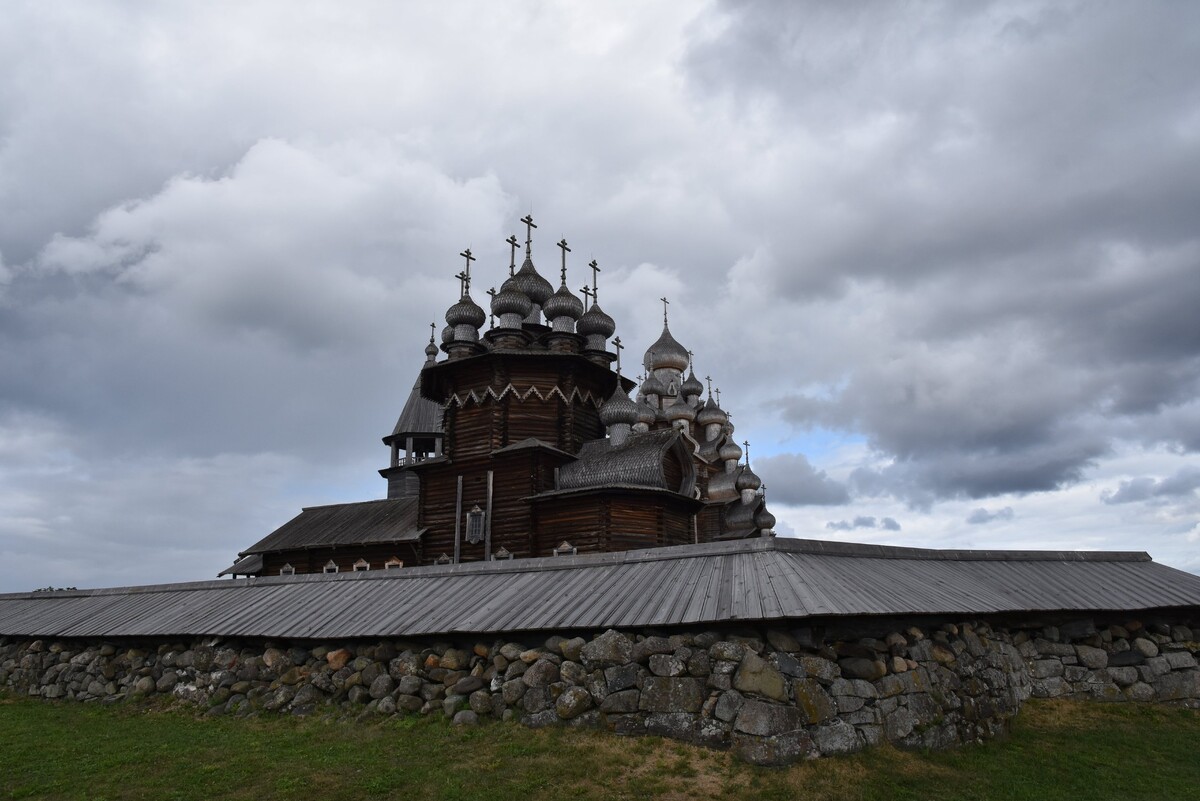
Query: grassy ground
column 1058, row 750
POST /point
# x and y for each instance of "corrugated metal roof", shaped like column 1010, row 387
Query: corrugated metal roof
column 390, row 520
column 745, row 581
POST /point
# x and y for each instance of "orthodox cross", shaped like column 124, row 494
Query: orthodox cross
column 562, row 243
column 587, row 294
column 708, row 378
column 746, row 443
column 513, row 244
column 432, row 329
column 463, row 283
column 595, row 271
column 466, row 254
column 491, row 315
column 617, row 344
column 665, row 302
column 529, row 226
column 718, row 396
column 690, row 356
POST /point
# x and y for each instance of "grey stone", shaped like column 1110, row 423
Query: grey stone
column 1053, row 648
column 481, row 702
column 676, row 725
column 541, row 719
column 410, row 703
column 756, row 676
column 464, row 686
column 1123, row 676
column 1126, row 658
column 168, row 681
column 729, row 703
column 540, row 674
column 899, row 724
column 650, row 646
column 726, row 651
column 1145, row 647
column 783, row 641
column 660, row 694
column 452, row 704
column 857, row 667
column 307, row 694
column 573, row 702
column 1077, row 629
column 1046, row 668
column 408, row 685
column 1093, row 658
column 1178, row 686
column 1139, row 691
column 782, row 749
column 814, row 703
column 621, row 701
column 387, row 706
column 667, row 665
column 787, row 664
column 466, row 717
column 1178, row 660
column 609, row 649
column 763, row 719
column 382, row 685
column 536, row 699
column 1050, row 688
column 1157, row 665
column 836, row 738
column 572, row 648
column 572, row 673
column 1178, row 634
column 699, row 664
column 821, row 669
column 144, row 686
column 848, row 703
column 621, row 677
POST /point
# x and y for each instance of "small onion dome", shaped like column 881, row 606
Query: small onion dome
column 595, row 322
column 448, row 334
column 711, row 414
column 530, row 282
column 511, row 301
column 431, row 350
column 692, row 386
column 667, row 352
column 563, row 303
column 646, row 414
column 619, row 409
column 465, row 312
column 730, row 451
column 764, row 519
column 652, row 386
column 748, row 480
column 679, row 411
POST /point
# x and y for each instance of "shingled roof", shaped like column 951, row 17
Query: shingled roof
column 637, row 462
column 743, row 582
column 391, row 520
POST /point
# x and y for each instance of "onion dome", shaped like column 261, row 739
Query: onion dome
column 465, row 312
column 679, row 411
column 764, row 519
column 652, row 386
column 730, row 451
column 530, row 282
column 563, row 303
column 511, row 301
column 595, row 322
column 431, row 350
column 619, row 409
column 691, row 386
column 667, row 352
column 711, row 414
column 748, row 480
column 448, row 336
column 646, row 415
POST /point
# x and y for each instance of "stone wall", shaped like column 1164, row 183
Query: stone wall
column 773, row 696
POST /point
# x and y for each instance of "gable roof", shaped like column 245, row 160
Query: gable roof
column 638, row 462
column 743, row 582
column 391, row 520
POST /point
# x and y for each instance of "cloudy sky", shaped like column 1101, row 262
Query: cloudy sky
column 942, row 259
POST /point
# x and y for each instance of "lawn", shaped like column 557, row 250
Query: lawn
column 1058, row 750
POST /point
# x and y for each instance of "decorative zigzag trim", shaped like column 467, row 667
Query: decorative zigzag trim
column 461, row 400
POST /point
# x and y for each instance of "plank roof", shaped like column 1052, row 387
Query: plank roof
column 362, row 523
column 745, row 581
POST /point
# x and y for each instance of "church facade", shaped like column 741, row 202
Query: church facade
column 519, row 439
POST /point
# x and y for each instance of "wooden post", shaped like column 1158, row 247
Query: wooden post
column 458, row 523
column 487, row 524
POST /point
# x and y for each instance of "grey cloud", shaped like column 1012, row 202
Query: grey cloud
column 863, row 521
column 1144, row 488
column 793, row 480
column 982, row 516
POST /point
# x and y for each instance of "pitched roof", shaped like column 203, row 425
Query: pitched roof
column 392, row 520
column 745, row 581
column 638, row 461
column 420, row 415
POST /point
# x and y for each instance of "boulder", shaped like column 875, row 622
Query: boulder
column 756, row 676
column 661, row 694
column 573, row 702
column 609, row 649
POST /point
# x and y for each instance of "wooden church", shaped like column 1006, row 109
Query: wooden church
column 523, row 442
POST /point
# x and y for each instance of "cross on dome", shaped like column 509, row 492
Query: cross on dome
column 665, row 303
column 432, row 330
column 529, row 226
column 513, row 245
column 464, row 283
column 466, row 254
column 562, row 243
column 595, row 272
column 491, row 315
column 588, row 294
column 617, row 344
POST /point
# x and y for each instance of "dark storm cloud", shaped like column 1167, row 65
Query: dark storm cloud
column 1144, row 488
column 981, row 516
column 793, row 480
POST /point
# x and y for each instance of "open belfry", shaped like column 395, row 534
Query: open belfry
column 523, row 441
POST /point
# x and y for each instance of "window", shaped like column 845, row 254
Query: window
column 475, row 526
column 331, row 566
column 503, row 553
column 361, row 565
column 393, row 564
column 442, row 560
column 565, row 549
column 287, row 570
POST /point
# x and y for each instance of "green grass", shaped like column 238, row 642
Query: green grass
column 1058, row 750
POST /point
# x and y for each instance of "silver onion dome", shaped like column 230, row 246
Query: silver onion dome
column 691, row 386
column 679, row 411
column 711, row 414
column 646, row 414
column 595, row 322
column 448, row 335
column 730, row 452
column 652, row 386
column 764, row 519
column 465, row 312
column 748, row 480
column 618, row 409
column 530, row 282
column 511, row 301
column 563, row 303
column 666, row 352
column 431, row 351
